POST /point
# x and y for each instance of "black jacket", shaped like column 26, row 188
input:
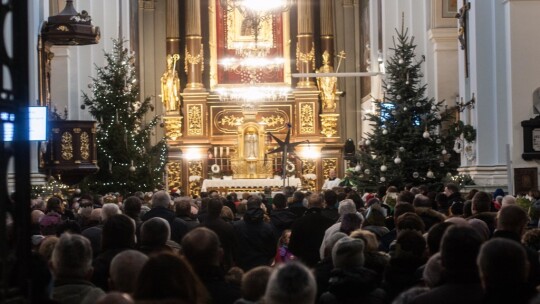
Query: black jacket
column 257, row 243
column 179, row 227
column 281, row 219
column 353, row 285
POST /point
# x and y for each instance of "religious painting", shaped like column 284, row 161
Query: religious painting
column 450, row 8
column 237, row 35
column 525, row 179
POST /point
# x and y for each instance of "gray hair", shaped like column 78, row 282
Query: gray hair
column 346, row 206
column 348, row 252
column 155, row 231
column 72, row 256
column 161, row 199
column 291, row 283
column 125, row 268
column 109, row 210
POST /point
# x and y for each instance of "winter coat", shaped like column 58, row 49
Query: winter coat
column 75, row 291
column 281, row 219
column 179, row 227
column 353, row 285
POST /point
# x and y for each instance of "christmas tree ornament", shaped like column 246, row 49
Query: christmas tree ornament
column 358, row 168
column 444, row 152
column 367, row 171
column 394, row 112
column 426, row 134
column 384, row 132
column 398, row 97
column 383, row 179
column 415, row 174
column 433, row 107
column 401, row 149
column 397, row 160
column 383, row 168
column 405, row 108
column 418, row 104
column 438, row 141
column 441, row 164
column 430, row 174
column 400, row 61
column 132, row 169
column 367, row 142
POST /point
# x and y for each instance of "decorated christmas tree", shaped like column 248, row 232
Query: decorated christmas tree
column 127, row 159
column 410, row 141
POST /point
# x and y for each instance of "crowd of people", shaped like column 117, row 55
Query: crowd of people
column 338, row 246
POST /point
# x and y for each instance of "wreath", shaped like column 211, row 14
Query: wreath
column 458, row 146
column 215, row 168
column 469, row 133
column 456, row 129
column 290, row 167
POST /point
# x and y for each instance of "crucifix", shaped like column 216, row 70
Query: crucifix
column 462, row 16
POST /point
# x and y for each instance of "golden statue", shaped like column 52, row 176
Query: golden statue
column 170, row 85
column 327, row 85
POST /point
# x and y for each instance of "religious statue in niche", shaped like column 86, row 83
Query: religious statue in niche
column 251, row 143
column 170, row 85
column 327, row 85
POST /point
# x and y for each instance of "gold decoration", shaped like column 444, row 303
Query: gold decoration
column 173, row 127
column 170, row 85
column 195, row 120
column 307, row 118
column 309, row 167
column 85, row 146
column 195, row 169
column 62, row 28
column 329, row 124
column 174, row 174
column 327, row 85
column 67, row 146
column 194, row 60
column 327, row 165
column 231, row 120
column 274, row 120
column 76, row 130
column 305, row 57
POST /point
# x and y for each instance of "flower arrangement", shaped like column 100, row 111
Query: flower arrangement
column 310, row 176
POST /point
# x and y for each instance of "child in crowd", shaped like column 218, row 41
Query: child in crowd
column 283, row 254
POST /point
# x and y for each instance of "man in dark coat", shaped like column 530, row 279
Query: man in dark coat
column 281, row 218
column 161, row 202
column 452, row 192
column 308, row 232
column 224, row 230
column 257, row 243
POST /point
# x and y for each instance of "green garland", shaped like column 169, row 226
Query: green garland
column 469, row 133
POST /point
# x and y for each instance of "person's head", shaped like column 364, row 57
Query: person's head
column 356, row 198
column 132, row 206
column 348, row 252
column 531, row 239
column 55, row 204
column 71, row 226
column 481, row 202
column 254, row 202
column 279, row 201
column 315, row 200
column 167, row 276
column 502, row 264
column 402, row 208
column 442, row 201
column 450, row 189
column 108, row 210
column 155, row 232
column 291, row 283
column 124, row 270
column 374, row 217
column 435, row 235
column 422, row 201
column 182, row 206
column 254, row 283
column 456, row 209
column 405, row 197
column 202, row 248
column 410, row 221
column 46, row 247
column 331, row 241
column 350, row 222
column 161, row 199
column 298, row 197
column 508, row 200
column 370, row 239
column 330, row 198
column 410, row 244
column 35, row 216
column 346, row 206
column 214, row 207
column 512, row 218
column 118, row 233
column 72, row 257
column 459, row 249
column 332, row 173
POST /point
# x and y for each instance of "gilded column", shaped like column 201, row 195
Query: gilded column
column 327, row 30
column 305, row 48
column 173, row 28
column 194, row 57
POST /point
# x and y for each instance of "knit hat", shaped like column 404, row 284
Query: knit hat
column 348, row 252
column 346, row 206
